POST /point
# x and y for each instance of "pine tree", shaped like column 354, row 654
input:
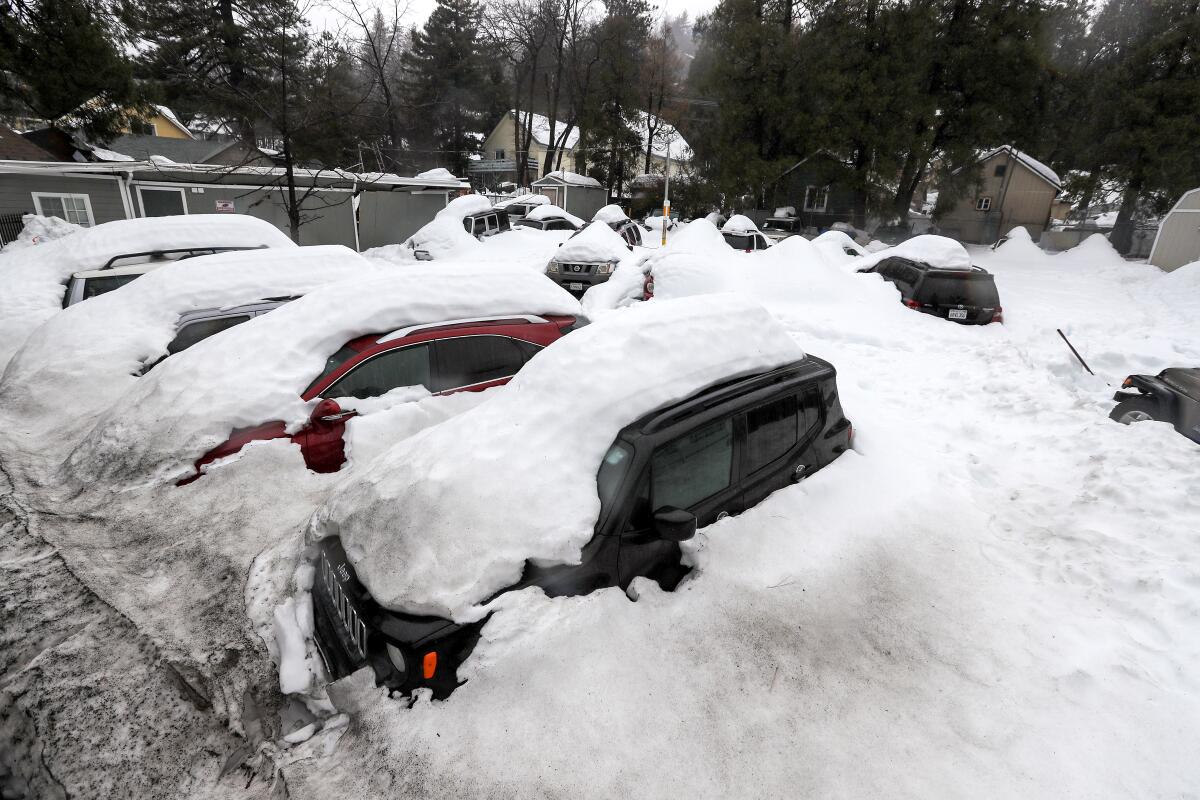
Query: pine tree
column 447, row 77
column 61, row 58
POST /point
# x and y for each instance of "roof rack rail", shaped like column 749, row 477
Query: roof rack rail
column 411, row 329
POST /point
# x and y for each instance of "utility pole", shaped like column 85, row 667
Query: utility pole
column 667, row 196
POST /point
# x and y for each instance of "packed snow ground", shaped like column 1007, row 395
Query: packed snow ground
column 994, row 594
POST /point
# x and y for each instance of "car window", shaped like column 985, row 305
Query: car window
column 467, row 360
column 612, row 472
column 693, row 467
column 480, row 226
column 561, row 225
column 403, row 366
column 194, row 332
column 771, row 431
column 94, row 287
column 739, row 241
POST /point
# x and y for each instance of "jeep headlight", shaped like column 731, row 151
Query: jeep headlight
column 552, row 268
column 605, row 269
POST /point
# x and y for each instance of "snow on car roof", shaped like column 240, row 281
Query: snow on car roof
column 34, row 277
column 551, row 211
column 739, row 224
column 833, row 245
column 936, row 251
column 81, row 360
column 254, row 373
column 444, row 235
column 610, row 214
column 450, row 516
column 594, row 243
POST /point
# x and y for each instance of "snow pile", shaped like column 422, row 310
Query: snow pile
column 937, row 251
column 525, row 200
column 431, row 529
column 551, row 211
column 1018, row 246
column 254, row 373
column 445, row 236
column 595, row 243
column 438, row 174
column 610, row 215
column 33, row 279
column 739, row 223
column 573, row 178
column 80, row 361
column 833, row 246
column 40, row 230
column 460, row 207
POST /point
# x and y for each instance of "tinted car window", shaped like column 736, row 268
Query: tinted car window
column 194, row 332
column 973, row 290
column 467, row 360
column 405, row 366
column 93, row 287
column 770, row 432
column 739, row 241
column 693, row 467
column 560, row 225
column 612, row 471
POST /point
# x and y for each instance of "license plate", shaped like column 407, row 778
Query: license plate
column 575, row 287
column 958, row 313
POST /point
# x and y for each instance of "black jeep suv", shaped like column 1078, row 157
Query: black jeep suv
column 965, row 296
column 680, row 467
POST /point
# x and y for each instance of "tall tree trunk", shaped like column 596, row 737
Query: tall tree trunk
column 1122, row 232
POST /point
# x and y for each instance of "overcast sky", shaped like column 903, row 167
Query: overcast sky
column 322, row 17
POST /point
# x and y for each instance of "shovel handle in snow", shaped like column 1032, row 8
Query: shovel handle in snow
column 1076, row 352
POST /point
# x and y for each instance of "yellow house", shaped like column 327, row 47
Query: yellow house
column 1010, row 189
column 499, row 159
column 162, row 122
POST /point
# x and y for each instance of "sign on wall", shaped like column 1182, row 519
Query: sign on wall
column 225, row 206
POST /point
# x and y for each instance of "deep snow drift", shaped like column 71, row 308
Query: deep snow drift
column 433, row 529
column 34, row 278
column 254, row 373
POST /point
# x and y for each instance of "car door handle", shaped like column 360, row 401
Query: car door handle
column 798, row 474
column 339, row 416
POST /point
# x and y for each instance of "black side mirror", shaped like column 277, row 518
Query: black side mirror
column 674, row 524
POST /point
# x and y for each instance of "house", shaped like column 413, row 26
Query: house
column 227, row 151
column 161, row 122
column 1178, row 239
column 499, row 159
column 576, row 194
column 820, row 189
column 339, row 207
column 1011, row 189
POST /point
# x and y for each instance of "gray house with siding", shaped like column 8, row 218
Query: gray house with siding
column 819, row 187
column 359, row 211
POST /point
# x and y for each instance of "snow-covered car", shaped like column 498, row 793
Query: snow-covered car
column 779, row 228
column 35, row 279
column 654, row 222
column 838, row 247
column 967, row 296
column 696, row 409
column 741, row 233
column 519, row 207
column 549, row 217
column 588, row 258
column 1172, row 395
column 272, row 367
column 457, row 228
column 81, row 360
column 443, row 357
column 612, row 216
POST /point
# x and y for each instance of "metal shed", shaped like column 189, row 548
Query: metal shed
column 574, row 193
column 1178, row 239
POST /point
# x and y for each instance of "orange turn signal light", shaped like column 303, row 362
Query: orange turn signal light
column 429, row 665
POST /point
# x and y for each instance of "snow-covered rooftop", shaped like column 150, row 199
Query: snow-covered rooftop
column 569, row 178
column 1042, row 171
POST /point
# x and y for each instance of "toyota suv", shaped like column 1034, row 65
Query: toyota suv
column 965, row 296
column 682, row 466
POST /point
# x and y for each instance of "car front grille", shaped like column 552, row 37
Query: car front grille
column 353, row 628
column 577, row 269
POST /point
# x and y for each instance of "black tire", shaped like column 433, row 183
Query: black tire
column 1136, row 409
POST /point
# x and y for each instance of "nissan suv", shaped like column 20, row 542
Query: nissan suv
column 965, row 296
column 682, row 466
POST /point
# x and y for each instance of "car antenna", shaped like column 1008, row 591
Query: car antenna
column 1076, row 354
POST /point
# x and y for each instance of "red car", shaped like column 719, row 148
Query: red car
column 444, row 357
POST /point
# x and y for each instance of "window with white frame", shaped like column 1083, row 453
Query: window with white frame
column 983, row 204
column 76, row 208
column 816, row 198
